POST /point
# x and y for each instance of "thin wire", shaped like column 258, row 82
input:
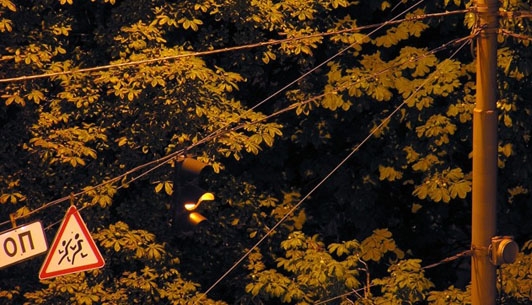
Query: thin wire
column 223, row 50
column 158, row 163
column 334, row 56
column 449, row 259
column 466, row 40
column 441, row 262
column 517, row 14
column 319, row 184
column 396, row 5
column 102, row 184
column 355, row 291
column 220, row 131
column 296, row 206
column 515, row 35
column 166, row 159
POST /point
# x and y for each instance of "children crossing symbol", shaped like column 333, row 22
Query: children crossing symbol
column 73, row 249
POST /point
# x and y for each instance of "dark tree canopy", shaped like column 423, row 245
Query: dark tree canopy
column 338, row 131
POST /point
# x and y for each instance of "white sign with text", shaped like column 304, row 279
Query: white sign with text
column 22, row 243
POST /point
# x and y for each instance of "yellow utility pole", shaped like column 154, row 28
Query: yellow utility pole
column 484, row 192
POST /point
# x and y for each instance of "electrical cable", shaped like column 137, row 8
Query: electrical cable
column 223, row 50
column 314, row 98
column 517, row 14
column 355, row 291
column 295, row 207
column 164, row 160
column 464, row 253
column 322, row 181
column 449, row 259
column 515, row 35
column 221, row 130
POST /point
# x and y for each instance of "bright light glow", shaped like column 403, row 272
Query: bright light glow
column 191, row 206
column 196, row 218
column 206, row 197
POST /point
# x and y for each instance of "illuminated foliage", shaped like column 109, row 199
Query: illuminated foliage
column 189, row 76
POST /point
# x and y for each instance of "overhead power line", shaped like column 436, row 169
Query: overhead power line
column 445, row 46
column 515, row 35
column 446, row 260
column 155, row 164
column 381, row 25
column 187, row 54
column 516, row 14
column 321, row 182
column 164, row 160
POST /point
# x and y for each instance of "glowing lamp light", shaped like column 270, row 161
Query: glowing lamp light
column 187, row 194
column 196, row 218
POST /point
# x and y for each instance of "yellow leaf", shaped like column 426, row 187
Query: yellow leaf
column 421, row 191
column 9, row 5
column 389, row 173
column 383, row 233
column 460, row 189
column 299, row 221
column 507, row 150
column 385, row 5
column 159, row 187
column 416, row 207
column 168, row 188
column 122, row 141
column 131, row 96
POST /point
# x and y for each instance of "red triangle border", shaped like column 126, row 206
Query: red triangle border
column 72, row 212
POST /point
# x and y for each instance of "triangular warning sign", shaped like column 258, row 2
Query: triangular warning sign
column 73, row 249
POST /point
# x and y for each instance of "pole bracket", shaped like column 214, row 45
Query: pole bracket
column 477, row 251
column 488, row 17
